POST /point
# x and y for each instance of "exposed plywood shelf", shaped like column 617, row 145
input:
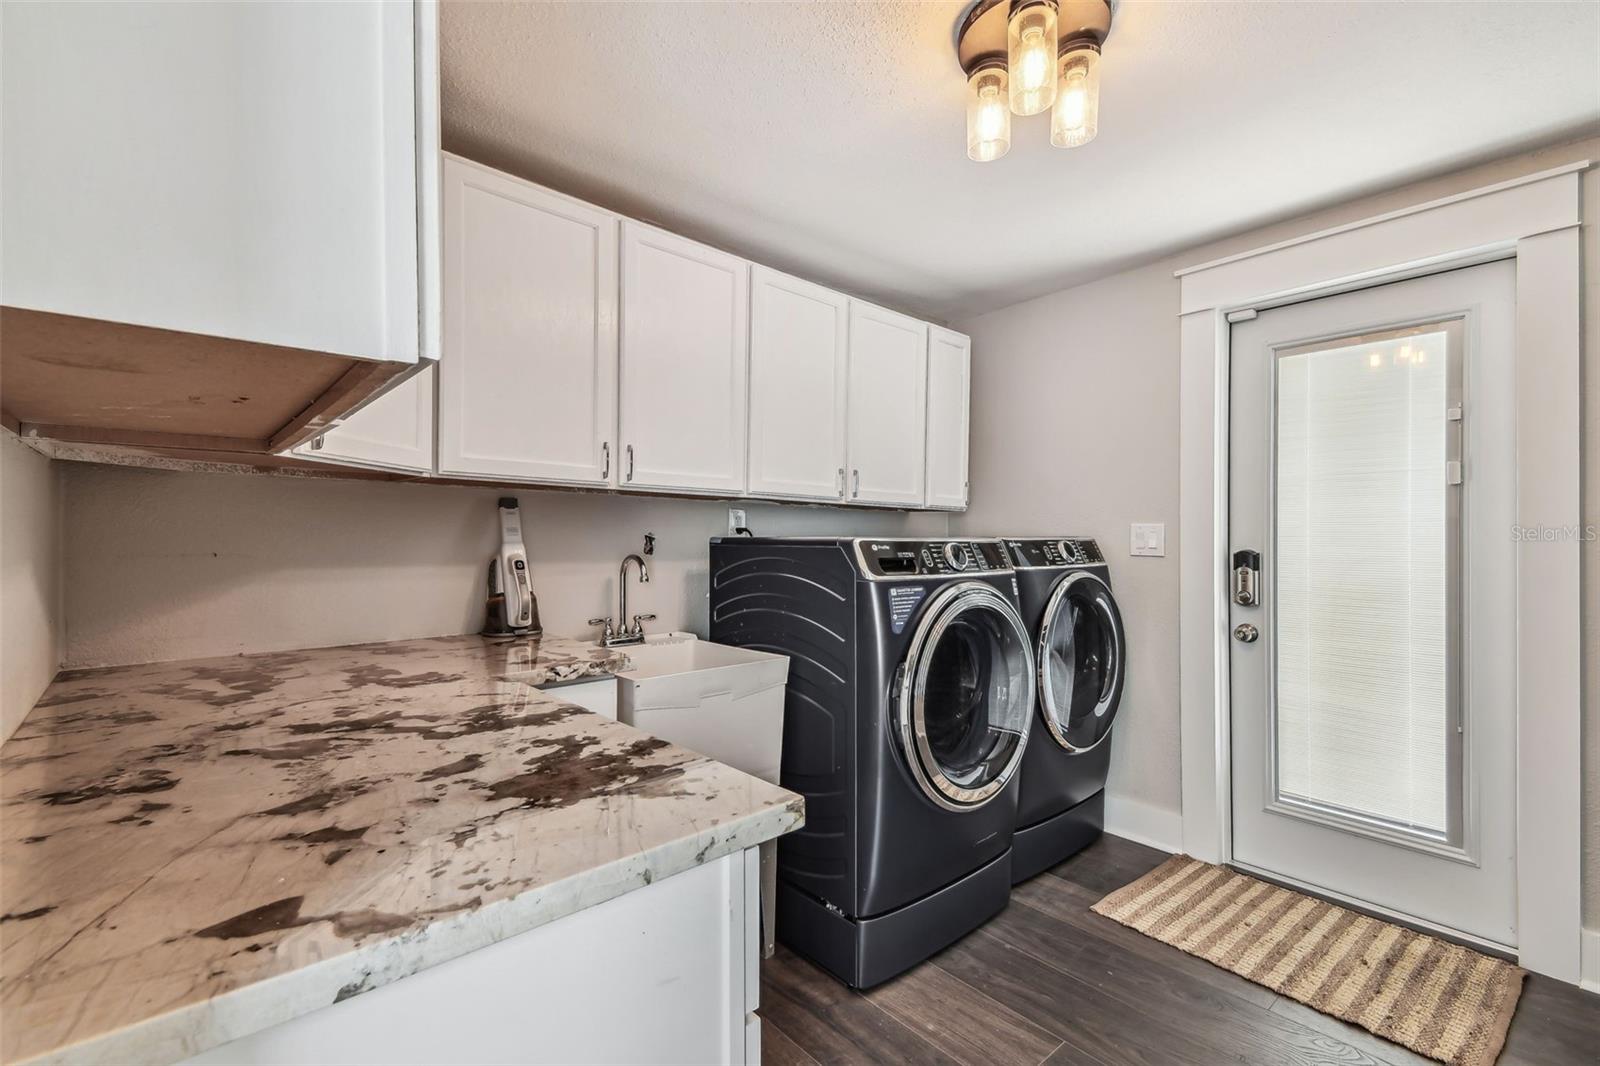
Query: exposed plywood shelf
column 95, row 382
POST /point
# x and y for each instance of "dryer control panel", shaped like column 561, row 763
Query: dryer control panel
column 1054, row 551
column 930, row 558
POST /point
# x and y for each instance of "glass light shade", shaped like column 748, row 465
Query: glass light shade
column 988, row 115
column 1031, row 57
column 1076, row 115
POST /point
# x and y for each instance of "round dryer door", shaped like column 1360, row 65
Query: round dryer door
column 1081, row 661
column 966, row 696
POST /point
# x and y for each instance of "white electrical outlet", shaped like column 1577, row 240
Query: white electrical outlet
column 736, row 520
column 1147, row 538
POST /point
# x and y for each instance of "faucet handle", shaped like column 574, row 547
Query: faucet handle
column 638, row 622
column 605, row 633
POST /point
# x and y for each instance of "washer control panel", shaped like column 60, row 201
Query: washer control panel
column 931, row 558
column 1054, row 551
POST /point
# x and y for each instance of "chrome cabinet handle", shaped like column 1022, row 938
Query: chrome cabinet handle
column 840, row 483
column 855, row 490
column 605, row 450
column 630, row 462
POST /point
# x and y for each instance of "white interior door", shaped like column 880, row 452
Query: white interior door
column 888, row 406
column 685, row 349
column 799, row 357
column 1373, row 685
column 528, row 384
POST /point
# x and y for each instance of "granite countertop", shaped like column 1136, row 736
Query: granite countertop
column 194, row 851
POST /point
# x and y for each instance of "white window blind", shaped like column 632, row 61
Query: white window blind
column 1362, row 565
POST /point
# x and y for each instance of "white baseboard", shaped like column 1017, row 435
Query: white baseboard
column 1589, row 979
column 1156, row 827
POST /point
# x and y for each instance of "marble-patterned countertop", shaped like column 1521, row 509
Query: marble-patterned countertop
column 194, row 851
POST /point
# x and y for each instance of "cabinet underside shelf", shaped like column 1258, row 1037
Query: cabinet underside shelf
column 90, row 382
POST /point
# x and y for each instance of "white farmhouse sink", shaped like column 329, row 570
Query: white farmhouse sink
column 718, row 700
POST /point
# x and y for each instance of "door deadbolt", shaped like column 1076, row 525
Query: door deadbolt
column 1245, row 633
column 1247, row 578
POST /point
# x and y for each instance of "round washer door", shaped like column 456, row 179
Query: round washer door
column 1081, row 661
column 966, row 696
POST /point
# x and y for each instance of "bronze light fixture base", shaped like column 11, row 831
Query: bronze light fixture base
column 981, row 33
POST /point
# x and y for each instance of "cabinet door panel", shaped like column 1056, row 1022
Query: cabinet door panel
column 888, row 413
column 799, row 361
column 685, row 341
column 393, row 432
column 527, row 388
column 949, row 379
column 245, row 171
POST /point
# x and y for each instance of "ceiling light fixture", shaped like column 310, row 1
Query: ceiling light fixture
column 1027, row 56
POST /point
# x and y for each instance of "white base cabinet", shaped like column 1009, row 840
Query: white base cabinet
column 600, row 696
column 667, row 973
column 685, row 337
column 888, row 406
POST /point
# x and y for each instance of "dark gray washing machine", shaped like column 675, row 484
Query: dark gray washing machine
column 910, row 693
column 1064, row 589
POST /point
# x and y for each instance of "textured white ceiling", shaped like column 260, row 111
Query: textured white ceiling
column 827, row 138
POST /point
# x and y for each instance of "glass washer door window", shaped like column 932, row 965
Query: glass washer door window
column 1081, row 662
column 966, row 696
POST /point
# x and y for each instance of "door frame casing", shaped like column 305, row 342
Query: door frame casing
column 1535, row 220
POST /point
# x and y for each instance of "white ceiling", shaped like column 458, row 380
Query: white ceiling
column 827, row 138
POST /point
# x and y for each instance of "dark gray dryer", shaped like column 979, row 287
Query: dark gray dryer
column 1064, row 589
column 909, row 698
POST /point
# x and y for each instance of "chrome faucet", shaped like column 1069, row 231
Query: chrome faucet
column 622, row 632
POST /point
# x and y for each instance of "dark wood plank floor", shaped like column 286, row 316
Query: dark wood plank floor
column 1048, row 982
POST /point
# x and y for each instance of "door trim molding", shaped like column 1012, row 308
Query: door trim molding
column 1535, row 219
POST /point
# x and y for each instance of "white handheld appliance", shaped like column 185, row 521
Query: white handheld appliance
column 509, row 580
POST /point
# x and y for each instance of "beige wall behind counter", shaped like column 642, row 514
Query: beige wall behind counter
column 170, row 565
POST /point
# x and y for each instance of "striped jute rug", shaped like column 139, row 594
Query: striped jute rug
column 1439, row 999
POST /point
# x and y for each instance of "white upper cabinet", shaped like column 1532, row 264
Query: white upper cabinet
column 888, row 406
column 247, row 171
column 685, row 340
column 799, row 367
column 393, row 432
column 949, row 382
column 528, row 385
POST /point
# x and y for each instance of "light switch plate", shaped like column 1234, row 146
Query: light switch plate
column 1147, row 538
column 736, row 521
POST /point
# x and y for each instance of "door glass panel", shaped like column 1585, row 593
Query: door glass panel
column 1366, row 527
column 975, row 693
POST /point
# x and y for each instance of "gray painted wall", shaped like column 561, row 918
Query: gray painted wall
column 30, row 578
column 1074, row 429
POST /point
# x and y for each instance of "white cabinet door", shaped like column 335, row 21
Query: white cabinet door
column 799, row 364
column 238, row 170
column 393, row 432
column 888, row 412
column 527, row 387
column 685, row 339
column 949, row 379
